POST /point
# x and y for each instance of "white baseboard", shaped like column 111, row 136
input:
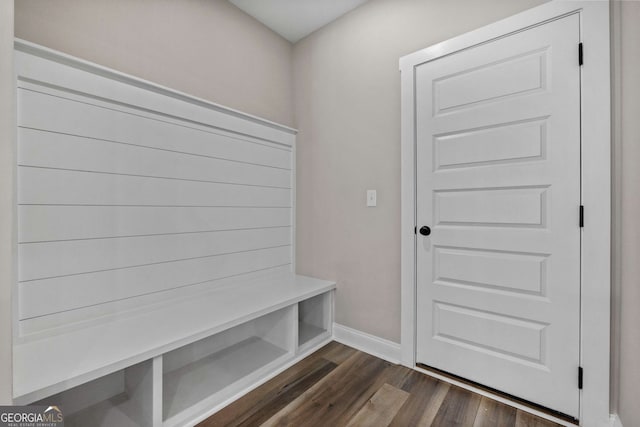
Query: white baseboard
column 379, row 347
column 615, row 421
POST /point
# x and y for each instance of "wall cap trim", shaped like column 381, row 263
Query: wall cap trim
column 63, row 58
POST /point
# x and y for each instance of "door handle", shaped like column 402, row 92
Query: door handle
column 425, row 231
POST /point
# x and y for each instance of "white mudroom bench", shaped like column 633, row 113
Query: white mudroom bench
column 154, row 249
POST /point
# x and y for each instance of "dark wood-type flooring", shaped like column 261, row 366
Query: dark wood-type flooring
column 340, row 386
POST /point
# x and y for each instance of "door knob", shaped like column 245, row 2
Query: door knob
column 425, row 231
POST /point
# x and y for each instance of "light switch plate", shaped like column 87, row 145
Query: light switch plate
column 372, row 198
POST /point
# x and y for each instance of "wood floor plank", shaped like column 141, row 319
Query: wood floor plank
column 333, row 395
column 459, row 408
column 492, row 413
column 421, row 389
column 434, row 404
column 337, row 353
column 291, row 393
column 339, row 386
column 272, row 396
column 393, row 375
column 525, row 419
column 381, row 408
column 343, row 393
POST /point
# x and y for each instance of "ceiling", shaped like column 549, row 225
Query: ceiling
column 295, row 19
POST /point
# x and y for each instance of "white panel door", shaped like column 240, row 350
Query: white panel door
column 498, row 183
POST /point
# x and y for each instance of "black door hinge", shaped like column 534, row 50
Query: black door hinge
column 415, row 230
column 581, row 216
column 580, row 54
column 580, row 376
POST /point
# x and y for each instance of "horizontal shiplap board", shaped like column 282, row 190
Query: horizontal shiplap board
column 52, row 69
column 46, row 112
column 50, row 223
column 81, row 317
column 47, row 296
column 51, row 259
column 62, row 187
column 61, row 151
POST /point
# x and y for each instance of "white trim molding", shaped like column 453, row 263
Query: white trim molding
column 376, row 346
column 246, row 122
column 596, row 188
column 615, row 421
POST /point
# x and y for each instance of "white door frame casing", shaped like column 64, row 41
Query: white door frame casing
column 596, row 182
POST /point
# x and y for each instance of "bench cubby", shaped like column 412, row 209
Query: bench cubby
column 123, row 398
column 314, row 320
column 215, row 368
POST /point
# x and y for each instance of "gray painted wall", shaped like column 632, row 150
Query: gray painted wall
column 347, row 109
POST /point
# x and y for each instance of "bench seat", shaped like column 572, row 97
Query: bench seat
column 46, row 366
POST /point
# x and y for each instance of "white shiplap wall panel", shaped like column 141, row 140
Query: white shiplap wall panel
column 51, row 150
column 131, row 194
column 95, row 222
column 38, row 327
column 65, row 113
column 48, row 296
column 63, row 258
column 62, row 187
